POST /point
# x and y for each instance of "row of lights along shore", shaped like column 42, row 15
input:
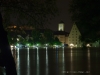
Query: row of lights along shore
column 45, row 45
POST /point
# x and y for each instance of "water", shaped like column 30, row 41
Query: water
column 57, row 61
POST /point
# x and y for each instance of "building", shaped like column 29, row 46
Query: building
column 73, row 38
column 61, row 34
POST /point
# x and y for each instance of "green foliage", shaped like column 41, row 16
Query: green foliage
column 48, row 35
column 56, row 41
column 11, row 39
column 38, row 36
column 43, row 37
column 86, row 15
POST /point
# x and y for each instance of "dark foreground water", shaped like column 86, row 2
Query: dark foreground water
column 57, row 61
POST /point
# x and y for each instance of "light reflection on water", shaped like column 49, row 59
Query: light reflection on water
column 57, row 61
column 18, row 62
column 88, row 56
column 38, row 69
column 28, row 62
column 65, row 60
column 46, row 61
column 71, row 54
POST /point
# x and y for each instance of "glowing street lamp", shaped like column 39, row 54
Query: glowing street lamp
column 71, row 45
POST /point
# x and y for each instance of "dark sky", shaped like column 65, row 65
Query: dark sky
column 64, row 16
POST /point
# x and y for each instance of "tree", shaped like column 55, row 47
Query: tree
column 85, row 13
column 49, row 36
column 56, row 41
column 43, row 36
column 12, row 38
column 7, row 58
column 36, row 36
column 28, row 12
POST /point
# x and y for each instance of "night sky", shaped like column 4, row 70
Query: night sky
column 64, row 16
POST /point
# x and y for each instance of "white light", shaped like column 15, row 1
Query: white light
column 88, row 45
column 17, row 39
column 11, row 46
column 71, row 45
column 46, row 44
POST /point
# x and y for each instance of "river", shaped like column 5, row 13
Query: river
column 59, row 61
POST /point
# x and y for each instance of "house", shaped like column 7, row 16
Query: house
column 73, row 38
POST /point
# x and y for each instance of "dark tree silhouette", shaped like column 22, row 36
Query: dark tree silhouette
column 86, row 15
column 28, row 12
column 7, row 58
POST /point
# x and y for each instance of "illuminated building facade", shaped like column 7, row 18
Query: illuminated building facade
column 73, row 38
column 61, row 26
column 61, row 34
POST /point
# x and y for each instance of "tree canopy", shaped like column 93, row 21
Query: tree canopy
column 27, row 12
column 86, row 15
column 23, row 12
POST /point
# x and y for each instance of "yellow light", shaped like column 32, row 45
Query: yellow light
column 71, row 45
column 14, row 26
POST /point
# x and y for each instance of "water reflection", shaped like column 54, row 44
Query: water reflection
column 57, row 61
column 38, row 71
column 63, row 60
column 18, row 62
column 28, row 62
column 71, row 54
column 14, row 53
column 88, row 56
column 46, row 61
column 54, row 61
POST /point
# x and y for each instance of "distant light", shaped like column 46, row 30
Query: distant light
column 88, row 45
column 11, row 46
column 37, row 44
column 71, row 45
column 46, row 44
column 17, row 39
column 15, row 26
column 27, row 44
